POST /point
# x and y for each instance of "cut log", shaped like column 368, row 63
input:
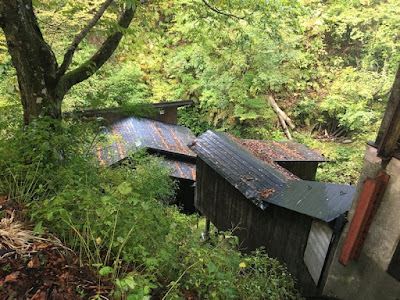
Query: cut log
column 283, row 118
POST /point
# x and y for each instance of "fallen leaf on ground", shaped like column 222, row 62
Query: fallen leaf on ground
column 12, row 277
column 34, row 263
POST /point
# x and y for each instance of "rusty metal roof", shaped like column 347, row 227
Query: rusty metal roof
column 283, row 151
column 265, row 183
column 181, row 169
column 131, row 134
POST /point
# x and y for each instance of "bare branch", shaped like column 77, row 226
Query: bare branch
column 214, row 9
column 99, row 58
column 80, row 36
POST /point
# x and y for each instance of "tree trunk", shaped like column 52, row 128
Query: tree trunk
column 33, row 59
column 42, row 84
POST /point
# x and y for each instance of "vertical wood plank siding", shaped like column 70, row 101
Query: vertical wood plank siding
column 282, row 232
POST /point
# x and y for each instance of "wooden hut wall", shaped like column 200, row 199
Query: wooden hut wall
column 305, row 170
column 282, row 232
column 167, row 115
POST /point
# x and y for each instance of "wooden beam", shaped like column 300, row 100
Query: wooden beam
column 389, row 130
column 367, row 206
column 391, row 136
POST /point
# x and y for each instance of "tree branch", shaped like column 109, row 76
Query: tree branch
column 214, row 9
column 79, row 37
column 88, row 68
column 381, row 96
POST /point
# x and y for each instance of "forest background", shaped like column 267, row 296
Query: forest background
column 328, row 64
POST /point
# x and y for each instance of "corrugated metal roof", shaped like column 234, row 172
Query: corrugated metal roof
column 283, row 151
column 237, row 165
column 181, row 169
column 130, row 134
column 321, row 200
column 264, row 183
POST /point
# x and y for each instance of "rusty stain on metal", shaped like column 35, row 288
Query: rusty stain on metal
column 183, row 148
column 121, row 153
column 99, row 157
column 193, row 172
column 160, row 135
column 267, row 192
column 179, row 168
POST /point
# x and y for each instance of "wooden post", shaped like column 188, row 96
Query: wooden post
column 368, row 204
column 389, row 130
column 207, row 232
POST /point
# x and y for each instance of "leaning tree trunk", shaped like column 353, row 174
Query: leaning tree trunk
column 33, row 59
column 282, row 116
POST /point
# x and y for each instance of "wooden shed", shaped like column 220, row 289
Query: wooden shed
column 128, row 134
column 166, row 112
column 297, row 221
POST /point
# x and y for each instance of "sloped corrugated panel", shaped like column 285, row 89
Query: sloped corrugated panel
column 181, row 169
column 130, row 134
column 283, row 151
column 325, row 201
column 265, row 183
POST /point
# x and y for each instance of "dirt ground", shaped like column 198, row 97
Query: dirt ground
column 35, row 268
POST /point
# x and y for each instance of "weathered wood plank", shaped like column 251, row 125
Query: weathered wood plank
column 317, row 248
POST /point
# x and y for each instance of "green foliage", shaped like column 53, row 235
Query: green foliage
column 216, row 270
column 36, row 159
column 117, row 221
column 229, row 72
column 352, row 52
column 124, row 88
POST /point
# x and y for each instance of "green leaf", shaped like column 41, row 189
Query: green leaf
column 50, row 216
column 38, row 228
column 146, row 290
column 130, row 282
column 124, row 188
column 104, row 271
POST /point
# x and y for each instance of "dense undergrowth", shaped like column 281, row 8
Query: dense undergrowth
column 119, row 222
